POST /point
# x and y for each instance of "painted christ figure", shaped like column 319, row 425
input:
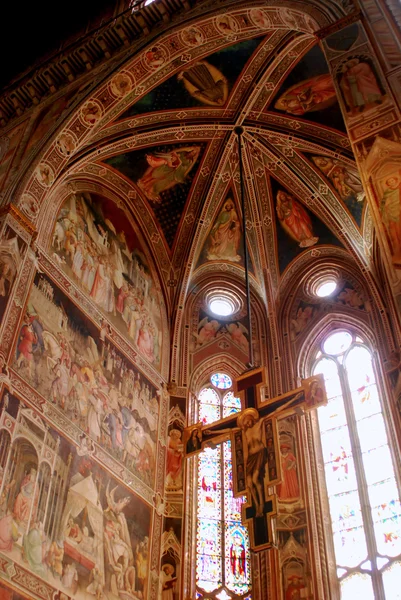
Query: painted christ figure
column 252, row 428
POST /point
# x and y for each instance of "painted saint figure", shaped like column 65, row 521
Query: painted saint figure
column 359, row 86
column 390, row 209
column 288, row 489
column 174, row 459
column 167, row 582
column 310, row 95
column 195, row 441
column 166, row 170
column 225, row 237
column 27, row 499
column 238, row 559
column 205, row 83
column 295, row 220
column 347, row 183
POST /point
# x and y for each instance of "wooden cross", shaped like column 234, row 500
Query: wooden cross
column 254, row 443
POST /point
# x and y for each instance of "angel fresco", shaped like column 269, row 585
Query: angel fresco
column 346, row 182
column 295, row 220
column 205, row 83
column 206, row 331
column 225, row 237
column 310, row 95
column 166, row 170
column 238, row 335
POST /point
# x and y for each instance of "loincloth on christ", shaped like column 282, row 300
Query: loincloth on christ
column 257, row 462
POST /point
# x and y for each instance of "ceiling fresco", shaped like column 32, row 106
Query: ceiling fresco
column 207, row 82
column 296, row 226
column 312, row 97
column 164, row 175
column 162, row 136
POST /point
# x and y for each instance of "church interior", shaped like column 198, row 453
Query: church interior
column 200, row 304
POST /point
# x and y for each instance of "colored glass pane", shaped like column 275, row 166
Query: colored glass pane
column 366, row 401
column 391, row 581
column 362, row 493
column 332, row 415
column 221, row 381
column 208, row 413
column 231, row 404
column 337, row 343
column 223, row 557
column 359, row 368
column 237, row 558
column 358, row 585
column 328, row 368
column 209, row 396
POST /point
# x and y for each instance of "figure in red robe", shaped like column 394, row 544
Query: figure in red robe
column 238, row 559
column 288, row 490
column 295, row 220
column 27, row 500
column 359, row 86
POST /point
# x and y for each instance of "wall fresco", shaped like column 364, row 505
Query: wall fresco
column 62, row 517
column 11, row 247
column 210, row 328
column 94, row 245
column 75, row 367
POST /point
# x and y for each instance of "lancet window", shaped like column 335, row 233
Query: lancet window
column 222, row 544
column 362, row 489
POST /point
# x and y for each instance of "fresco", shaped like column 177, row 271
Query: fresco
column 205, row 83
column 8, row 594
column 210, row 328
column 164, row 174
column 95, row 246
column 48, row 117
column 74, row 366
column 225, row 239
column 10, row 260
column 388, row 190
column 345, row 180
column 175, row 446
column 303, row 317
column 359, row 84
column 309, row 92
column 297, row 227
column 351, row 297
column 65, row 519
column 170, row 570
column 9, row 144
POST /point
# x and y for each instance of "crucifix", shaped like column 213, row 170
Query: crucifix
column 253, row 431
column 255, row 446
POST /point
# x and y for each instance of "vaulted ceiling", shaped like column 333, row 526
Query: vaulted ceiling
column 168, row 147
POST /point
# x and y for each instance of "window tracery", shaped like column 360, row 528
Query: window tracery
column 362, row 489
column 222, row 544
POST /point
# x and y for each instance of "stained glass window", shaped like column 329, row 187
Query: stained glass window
column 222, row 551
column 221, row 381
column 362, row 489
